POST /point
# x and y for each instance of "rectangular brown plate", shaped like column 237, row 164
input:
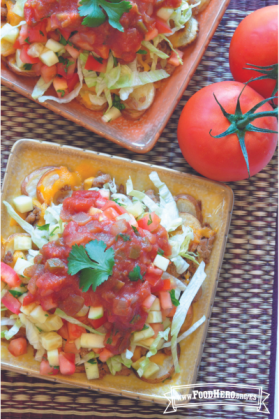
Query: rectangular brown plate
column 217, row 201
column 139, row 136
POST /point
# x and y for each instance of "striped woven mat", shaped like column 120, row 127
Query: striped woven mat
column 241, row 341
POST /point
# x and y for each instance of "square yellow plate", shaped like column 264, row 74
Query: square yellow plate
column 217, row 201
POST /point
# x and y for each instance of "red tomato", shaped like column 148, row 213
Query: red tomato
column 72, row 82
column 149, row 222
column 255, row 41
column 67, row 363
column 162, row 26
column 18, row 346
column 222, row 159
column 46, row 369
column 11, row 303
column 48, row 302
column 70, row 348
column 94, row 65
column 63, row 331
column 25, row 58
column 9, row 275
column 65, row 33
column 105, row 355
column 75, row 331
column 48, row 73
column 173, row 60
column 30, row 34
column 111, row 204
column 28, row 299
column 98, row 322
column 111, row 214
column 66, row 70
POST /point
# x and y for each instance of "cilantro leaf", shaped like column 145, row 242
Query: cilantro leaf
column 135, row 319
column 62, row 40
column 44, row 227
column 144, row 327
column 135, row 230
column 27, row 67
column 92, row 361
column 141, row 51
column 117, row 104
column 174, row 300
column 27, row 40
column 135, row 274
column 95, row 16
column 125, row 237
column 91, row 273
column 160, row 252
column 62, row 95
column 109, row 341
column 15, row 293
column 52, row 233
column 42, row 33
column 149, row 220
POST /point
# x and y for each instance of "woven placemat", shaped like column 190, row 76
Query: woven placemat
column 239, row 346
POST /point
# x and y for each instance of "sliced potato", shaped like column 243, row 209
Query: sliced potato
column 84, row 99
column 11, row 64
column 201, row 5
column 186, row 35
column 141, row 98
column 190, row 220
column 131, row 114
column 187, row 203
column 166, row 370
column 29, row 184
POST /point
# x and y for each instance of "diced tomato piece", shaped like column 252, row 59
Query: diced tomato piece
column 60, row 85
column 67, row 70
column 46, row 369
column 25, row 58
column 18, row 346
column 100, row 202
column 165, row 300
column 97, row 350
column 65, row 33
column 151, row 34
column 53, row 35
column 37, row 69
column 94, row 65
column 173, row 60
column 102, row 50
column 105, row 355
column 153, row 275
column 70, row 348
column 157, row 327
column 9, row 275
column 36, row 33
column 11, row 303
column 17, row 44
column 111, row 204
column 150, row 222
column 98, row 322
column 172, row 312
column 75, row 331
column 67, row 363
column 63, row 331
column 28, row 299
column 72, row 82
column 74, row 52
column 162, row 26
column 148, row 302
column 48, row 302
column 111, row 214
column 157, row 287
column 167, row 285
column 48, row 73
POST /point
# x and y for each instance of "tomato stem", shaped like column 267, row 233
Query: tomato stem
column 241, row 123
column 268, row 72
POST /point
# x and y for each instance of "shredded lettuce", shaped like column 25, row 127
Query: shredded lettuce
column 115, row 363
column 122, row 199
column 144, row 364
column 135, row 79
column 181, row 311
column 125, row 360
column 129, row 354
column 8, row 334
column 52, row 214
column 181, row 15
column 154, row 50
column 111, row 186
column 37, row 236
column 5, row 321
column 87, row 357
column 155, row 345
column 180, row 264
column 32, row 333
column 74, row 93
column 179, row 284
column 39, row 354
column 72, row 320
column 188, row 332
column 40, row 88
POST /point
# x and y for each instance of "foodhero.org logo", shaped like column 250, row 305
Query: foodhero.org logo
column 252, row 397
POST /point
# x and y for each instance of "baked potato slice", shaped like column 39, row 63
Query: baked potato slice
column 201, row 5
column 138, row 101
column 186, row 35
column 190, row 220
column 29, row 184
column 84, row 99
column 187, row 203
column 131, row 114
column 166, row 370
column 11, row 64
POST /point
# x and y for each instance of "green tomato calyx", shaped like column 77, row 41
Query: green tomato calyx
column 241, row 123
column 268, row 72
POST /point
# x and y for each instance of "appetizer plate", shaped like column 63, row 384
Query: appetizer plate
column 217, row 202
column 139, row 136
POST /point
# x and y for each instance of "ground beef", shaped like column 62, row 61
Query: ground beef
column 103, row 370
column 33, row 216
column 124, row 371
column 8, row 258
column 167, row 351
column 80, row 368
column 84, row 352
column 193, row 246
column 121, row 189
column 152, row 195
column 204, row 248
column 100, row 180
